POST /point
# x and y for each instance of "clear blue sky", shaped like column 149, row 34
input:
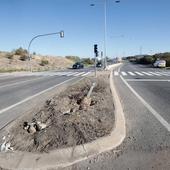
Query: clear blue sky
column 143, row 23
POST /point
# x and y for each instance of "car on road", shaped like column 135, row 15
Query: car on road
column 160, row 63
column 78, row 65
column 99, row 65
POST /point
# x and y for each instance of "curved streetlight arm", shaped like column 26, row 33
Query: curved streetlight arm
column 41, row 35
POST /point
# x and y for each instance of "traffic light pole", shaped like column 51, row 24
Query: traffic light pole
column 95, row 56
column 95, row 65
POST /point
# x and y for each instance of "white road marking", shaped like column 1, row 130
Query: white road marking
column 163, row 73
column 139, row 73
column 79, row 74
column 148, row 74
column 59, row 73
column 86, row 74
column 149, row 80
column 35, row 95
column 116, row 73
column 20, row 82
column 156, row 74
column 64, row 73
column 153, row 111
column 124, row 73
column 132, row 74
column 71, row 73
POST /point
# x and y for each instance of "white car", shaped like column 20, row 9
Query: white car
column 160, row 63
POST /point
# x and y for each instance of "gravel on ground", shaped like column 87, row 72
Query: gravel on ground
column 69, row 118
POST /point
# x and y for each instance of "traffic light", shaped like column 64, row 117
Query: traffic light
column 95, row 49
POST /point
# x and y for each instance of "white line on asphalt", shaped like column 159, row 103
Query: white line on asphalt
column 139, row 73
column 86, row 74
column 150, row 80
column 148, row 74
column 71, row 73
column 155, row 73
column 35, row 95
column 116, row 73
column 163, row 73
column 64, row 73
column 153, row 111
column 79, row 74
column 20, row 82
column 132, row 74
column 124, row 73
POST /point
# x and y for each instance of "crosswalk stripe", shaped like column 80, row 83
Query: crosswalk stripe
column 79, row 74
column 139, row 73
column 62, row 73
column 86, row 74
column 163, row 73
column 124, row 73
column 132, row 74
column 155, row 73
column 71, row 74
column 148, row 74
column 116, row 73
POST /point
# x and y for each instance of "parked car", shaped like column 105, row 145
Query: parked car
column 160, row 63
column 78, row 65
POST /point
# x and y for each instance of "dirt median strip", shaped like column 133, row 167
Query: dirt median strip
column 70, row 155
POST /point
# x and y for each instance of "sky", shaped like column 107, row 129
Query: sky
column 131, row 25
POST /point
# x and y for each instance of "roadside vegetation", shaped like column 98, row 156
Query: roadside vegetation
column 44, row 62
column 18, row 60
column 86, row 61
column 150, row 59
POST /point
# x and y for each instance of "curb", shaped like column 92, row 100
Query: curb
column 68, row 156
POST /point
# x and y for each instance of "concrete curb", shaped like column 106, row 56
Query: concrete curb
column 69, row 156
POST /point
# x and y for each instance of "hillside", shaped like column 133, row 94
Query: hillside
column 11, row 61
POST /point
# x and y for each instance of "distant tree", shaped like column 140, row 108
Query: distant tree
column 73, row 58
column 87, row 61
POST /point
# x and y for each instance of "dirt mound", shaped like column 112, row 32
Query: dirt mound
column 10, row 62
column 68, row 123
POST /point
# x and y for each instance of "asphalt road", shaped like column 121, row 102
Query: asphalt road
column 18, row 88
column 145, row 97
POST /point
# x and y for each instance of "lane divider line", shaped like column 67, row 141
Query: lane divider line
column 21, row 82
column 35, row 95
column 153, row 111
column 149, row 80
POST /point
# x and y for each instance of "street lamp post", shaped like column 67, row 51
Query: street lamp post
column 105, row 30
column 61, row 33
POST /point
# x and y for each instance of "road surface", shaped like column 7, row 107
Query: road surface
column 17, row 89
column 145, row 96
